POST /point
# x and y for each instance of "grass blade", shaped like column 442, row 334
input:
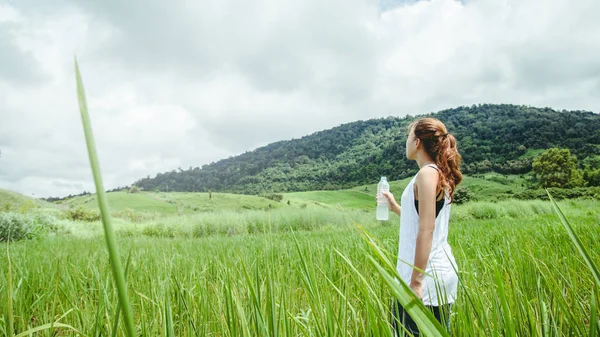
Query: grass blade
column 169, row 332
column 109, row 233
column 506, row 314
column 9, row 311
column 584, row 253
column 45, row 327
column 118, row 310
column 594, row 329
column 428, row 325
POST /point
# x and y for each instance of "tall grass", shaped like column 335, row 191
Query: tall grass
column 321, row 282
column 109, row 232
column 9, row 296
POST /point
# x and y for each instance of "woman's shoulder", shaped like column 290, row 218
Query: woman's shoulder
column 428, row 171
column 428, row 176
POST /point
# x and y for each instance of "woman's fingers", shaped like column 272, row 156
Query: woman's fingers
column 389, row 196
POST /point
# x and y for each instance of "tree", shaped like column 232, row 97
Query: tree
column 134, row 189
column 462, row 195
column 591, row 176
column 557, row 168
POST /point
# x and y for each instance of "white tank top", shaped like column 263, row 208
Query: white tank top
column 441, row 282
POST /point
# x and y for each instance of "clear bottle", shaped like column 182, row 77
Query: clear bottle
column 383, row 211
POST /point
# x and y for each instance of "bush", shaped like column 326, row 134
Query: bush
column 274, row 197
column 462, row 195
column 80, row 214
column 560, row 193
column 499, row 179
column 17, row 227
column 48, row 223
column 134, row 189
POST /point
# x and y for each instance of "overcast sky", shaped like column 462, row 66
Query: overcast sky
column 183, row 83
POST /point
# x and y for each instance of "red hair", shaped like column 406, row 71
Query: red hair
column 441, row 146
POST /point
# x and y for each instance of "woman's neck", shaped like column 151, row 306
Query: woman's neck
column 423, row 159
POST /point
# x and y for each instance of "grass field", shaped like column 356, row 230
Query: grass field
column 295, row 271
column 15, row 202
column 173, row 202
column 486, row 188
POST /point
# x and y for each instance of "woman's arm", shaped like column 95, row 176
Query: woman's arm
column 392, row 204
column 427, row 181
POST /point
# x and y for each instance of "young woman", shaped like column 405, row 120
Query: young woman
column 424, row 222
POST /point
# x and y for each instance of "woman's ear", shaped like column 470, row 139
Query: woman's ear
column 417, row 142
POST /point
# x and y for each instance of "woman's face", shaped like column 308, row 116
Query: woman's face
column 412, row 144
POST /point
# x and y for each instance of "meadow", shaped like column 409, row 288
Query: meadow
column 296, row 271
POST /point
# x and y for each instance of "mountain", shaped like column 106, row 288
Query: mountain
column 501, row 138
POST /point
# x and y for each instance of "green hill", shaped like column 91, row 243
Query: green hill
column 173, row 202
column 346, row 199
column 15, row 202
column 485, row 187
column 499, row 138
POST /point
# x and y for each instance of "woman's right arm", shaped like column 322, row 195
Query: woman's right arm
column 392, row 204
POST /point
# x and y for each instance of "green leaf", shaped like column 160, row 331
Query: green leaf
column 46, row 327
column 109, row 233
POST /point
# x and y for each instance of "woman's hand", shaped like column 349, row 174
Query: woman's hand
column 417, row 289
column 392, row 204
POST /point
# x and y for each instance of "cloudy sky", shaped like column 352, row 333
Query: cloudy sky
column 184, row 83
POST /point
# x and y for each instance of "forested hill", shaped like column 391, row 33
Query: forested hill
column 502, row 138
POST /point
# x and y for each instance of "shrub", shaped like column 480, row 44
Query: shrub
column 560, row 193
column 47, row 223
column 274, row 197
column 134, row 189
column 462, row 195
column 17, row 227
column 81, row 214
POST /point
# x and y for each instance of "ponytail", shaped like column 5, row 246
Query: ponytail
column 441, row 147
column 448, row 161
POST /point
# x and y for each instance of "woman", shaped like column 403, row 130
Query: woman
column 424, row 222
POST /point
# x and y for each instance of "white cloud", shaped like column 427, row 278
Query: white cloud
column 186, row 83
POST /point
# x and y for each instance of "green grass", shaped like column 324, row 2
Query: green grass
column 493, row 185
column 532, row 153
column 203, row 202
column 173, row 202
column 396, row 187
column 489, row 187
column 247, row 283
column 109, row 234
column 15, row 202
column 346, row 199
column 119, row 201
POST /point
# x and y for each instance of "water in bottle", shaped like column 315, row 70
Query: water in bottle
column 382, row 202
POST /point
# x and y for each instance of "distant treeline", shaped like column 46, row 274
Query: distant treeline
column 499, row 138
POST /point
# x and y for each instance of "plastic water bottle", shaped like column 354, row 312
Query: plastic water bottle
column 383, row 211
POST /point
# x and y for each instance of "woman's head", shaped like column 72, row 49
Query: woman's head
column 430, row 136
